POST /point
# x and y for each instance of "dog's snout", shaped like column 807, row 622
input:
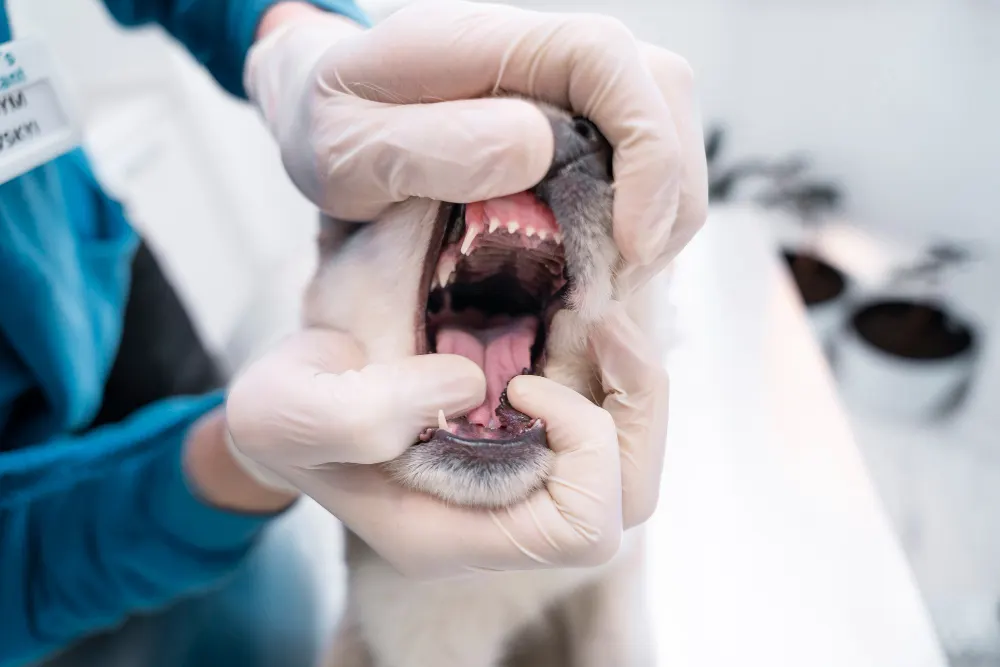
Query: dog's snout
column 588, row 131
column 580, row 145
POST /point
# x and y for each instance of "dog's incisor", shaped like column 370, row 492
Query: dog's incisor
column 513, row 284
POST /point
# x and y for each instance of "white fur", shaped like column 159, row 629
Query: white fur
column 370, row 290
column 470, row 622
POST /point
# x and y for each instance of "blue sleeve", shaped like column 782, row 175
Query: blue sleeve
column 95, row 527
column 218, row 33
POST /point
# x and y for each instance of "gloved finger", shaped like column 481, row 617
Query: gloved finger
column 581, row 505
column 418, row 535
column 675, row 79
column 676, row 82
column 638, row 398
column 587, row 63
column 317, row 395
column 459, row 152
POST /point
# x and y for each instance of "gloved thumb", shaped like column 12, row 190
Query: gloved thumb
column 455, row 151
column 386, row 406
column 585, row 480
column 314, row 400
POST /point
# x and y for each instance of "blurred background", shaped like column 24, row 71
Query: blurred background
column 859, row 134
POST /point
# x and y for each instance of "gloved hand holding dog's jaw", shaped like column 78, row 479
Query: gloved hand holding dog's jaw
column 349, row 110
column 345, row 107
column 305, row 415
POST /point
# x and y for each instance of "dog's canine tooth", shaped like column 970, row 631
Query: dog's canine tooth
column 558, row 237
column 442, row 422
column 513, row 226
column 445, row 271
column 470, row 236
column 494, row 225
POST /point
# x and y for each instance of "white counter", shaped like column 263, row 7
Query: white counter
column 770, row 545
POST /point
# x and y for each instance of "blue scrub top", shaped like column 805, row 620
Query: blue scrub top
column 98, row 526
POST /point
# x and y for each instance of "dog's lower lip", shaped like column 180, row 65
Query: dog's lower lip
column 536, row 426
column 495, row 448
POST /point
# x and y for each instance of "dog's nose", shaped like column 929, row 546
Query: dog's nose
column 581, row 146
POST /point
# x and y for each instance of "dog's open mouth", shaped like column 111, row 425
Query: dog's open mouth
column 492, row 292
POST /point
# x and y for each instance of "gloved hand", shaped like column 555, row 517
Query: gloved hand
column 349, row 110
column 313, row 400
column 638, row 392
column 309, row 410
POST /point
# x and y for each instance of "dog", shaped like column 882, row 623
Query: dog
column 513, row 283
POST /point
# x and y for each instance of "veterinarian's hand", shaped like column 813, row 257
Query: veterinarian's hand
column 638, row 391
column 314, row 400
column 304, row 415
column 575, row 521
column 350, row 111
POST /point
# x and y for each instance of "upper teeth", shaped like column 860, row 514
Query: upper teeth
column 470, row 236
column 445, row 270
column 473, row 231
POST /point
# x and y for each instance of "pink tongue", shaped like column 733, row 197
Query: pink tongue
column 501, row 351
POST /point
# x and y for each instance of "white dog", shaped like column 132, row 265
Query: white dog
column 512, row 283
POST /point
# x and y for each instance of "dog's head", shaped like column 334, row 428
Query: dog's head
column 511, row 283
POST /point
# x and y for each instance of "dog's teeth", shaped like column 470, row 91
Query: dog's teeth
column 445, row 271
column 529, row 232
column 494, row 225
column 442, row 422
column 557, row 237
column 542, row 234
column 537, row 424
column 512, row 226
column 470, row 236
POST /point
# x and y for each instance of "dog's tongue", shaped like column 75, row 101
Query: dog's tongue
column 502, row 351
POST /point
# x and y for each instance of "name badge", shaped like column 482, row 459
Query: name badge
column 37, row 121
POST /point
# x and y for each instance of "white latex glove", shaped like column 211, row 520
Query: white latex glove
column 350, row 110
column 638, row 396
column 312, row 407
column 314, row 400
